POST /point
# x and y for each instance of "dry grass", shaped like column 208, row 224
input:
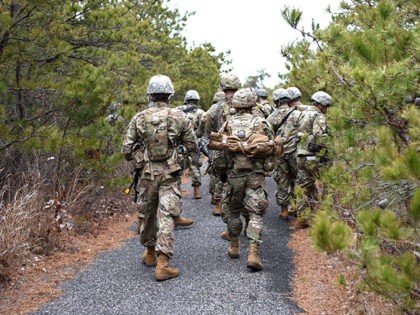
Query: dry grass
column 26, row 226
column 36, row 284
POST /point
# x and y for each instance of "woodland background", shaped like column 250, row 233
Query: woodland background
column 63, row 63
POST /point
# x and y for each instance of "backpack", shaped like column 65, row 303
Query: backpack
column 157, row 140
column 241, row 127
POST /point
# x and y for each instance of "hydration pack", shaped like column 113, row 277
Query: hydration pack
column 157, row 142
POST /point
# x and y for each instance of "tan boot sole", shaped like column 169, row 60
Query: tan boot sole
column 233, row 255
column 165, row 276
column 254, row 266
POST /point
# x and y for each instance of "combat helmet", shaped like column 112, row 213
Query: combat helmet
column 160, row 84
column 294, row 93
column 218, row 96
column 244, row 98
column 262, row 93
column 113, row 107
column 192, row 95
column 230, row 82
column 281, row 96
column 322, row 98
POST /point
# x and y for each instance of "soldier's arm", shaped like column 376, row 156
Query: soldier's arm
column 272, row 120
column 320, row 126
column 131, row 138
column 188, row 138
column 200, row 128
column 268, row 131
column 209, row 122
column 318, row 138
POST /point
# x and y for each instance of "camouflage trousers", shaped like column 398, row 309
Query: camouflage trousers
column 285, row 174
column 216, row 185
column 246, row 194
column 159, row 202
column 307, row 174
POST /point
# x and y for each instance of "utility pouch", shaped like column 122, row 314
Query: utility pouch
column 242, row 163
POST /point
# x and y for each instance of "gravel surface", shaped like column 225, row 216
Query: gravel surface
column 210, row 282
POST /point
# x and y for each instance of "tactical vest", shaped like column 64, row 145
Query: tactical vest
column 158, row 145
column 242, row 127
column 305, row 131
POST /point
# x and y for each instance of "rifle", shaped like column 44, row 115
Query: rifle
column 202, row 147
column 136, row 176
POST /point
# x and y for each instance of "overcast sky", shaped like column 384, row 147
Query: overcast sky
column 253, row 30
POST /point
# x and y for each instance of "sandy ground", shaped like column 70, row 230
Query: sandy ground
column 327, row 284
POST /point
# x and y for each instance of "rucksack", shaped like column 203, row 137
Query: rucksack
column 241, row 127
column 157, row 139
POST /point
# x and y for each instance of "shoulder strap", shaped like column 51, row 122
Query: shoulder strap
column 285, row 118
column 218, row 115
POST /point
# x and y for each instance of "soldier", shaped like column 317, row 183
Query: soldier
column 113, row 116
column 245, row 179
column 161, row 130
column 195, row 114
column 285, row 170
column 218, row 97
column 216, row 116
column 295, row 97
column 263, row 107
column 312, row 154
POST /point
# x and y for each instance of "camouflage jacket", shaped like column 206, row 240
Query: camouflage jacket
column 247, row 123
column 312, row 129
column 200, row 129
column 216, row 116
column 179, row 132
column 263, row 109
column 194, row 114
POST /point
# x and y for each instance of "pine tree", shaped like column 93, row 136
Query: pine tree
column 367, row 60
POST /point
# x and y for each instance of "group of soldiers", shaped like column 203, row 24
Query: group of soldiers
column 249, row 139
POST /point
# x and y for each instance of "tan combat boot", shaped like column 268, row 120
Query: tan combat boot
column 225, row 235
column 254, row 261
column 163, row 271
column 233, row 249
column 197, row 194
column 182, row 221
column 218, row 209
column 149, row 256
column 284, row 213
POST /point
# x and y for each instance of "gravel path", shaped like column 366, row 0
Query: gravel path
column 210, row 282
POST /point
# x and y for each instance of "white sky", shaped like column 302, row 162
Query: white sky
column 253, row 30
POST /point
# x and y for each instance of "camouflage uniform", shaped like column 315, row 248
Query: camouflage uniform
column 192, row 163
column 246, row 189
column 213, row 179
column 113, row 116
column 215, row 117
column 263, row 109
column 312, row 131
column 161, row 130
column 285, row 170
